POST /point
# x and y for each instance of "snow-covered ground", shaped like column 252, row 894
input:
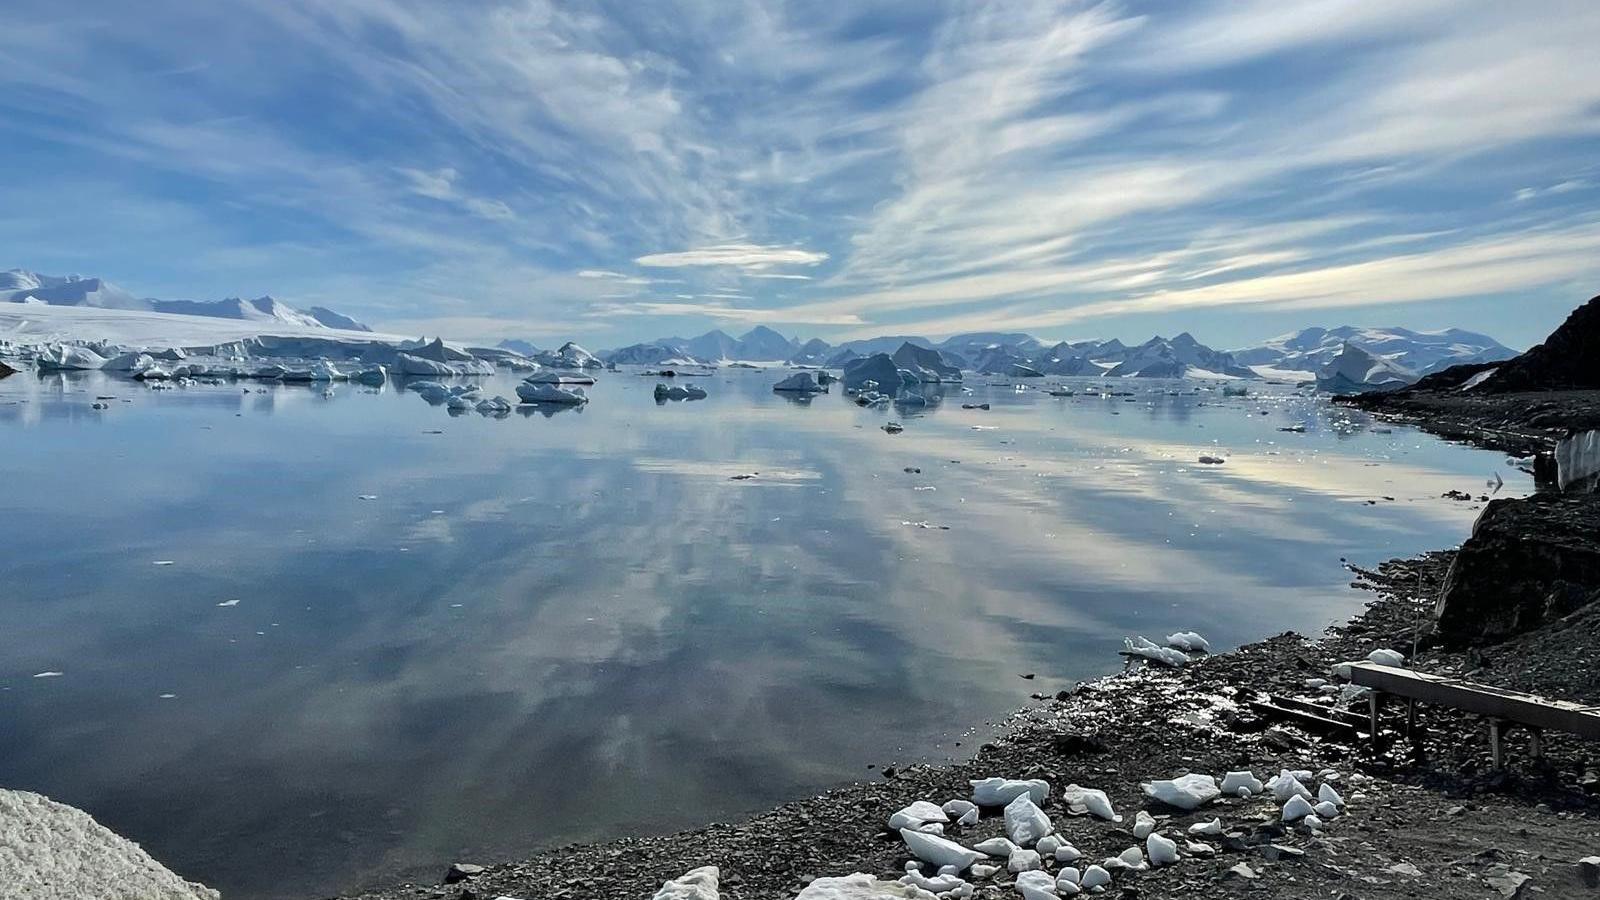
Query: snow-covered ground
column 52, row 851
column 30, row 323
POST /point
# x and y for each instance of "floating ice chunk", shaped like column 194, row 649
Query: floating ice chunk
column 1162, row 852
column 1025, row 821
column 1185, row 792
column 697, row 884
column 233, row 602
column 916, row 814
column 1245, row 780
column 1296, row 808
column 1144, row 647
column 1001, row 791
column 1327, row 810
column 1213, row 827
column 1022, row 860
column 860, row 886
column 997, row 847
column 1287, row 785
column 1189, row 641
column 458, row 403
column 558, row 378
column 801, row 382
column 1327, row 794
column 495, row 404
column 50, row 674
column 549, row 393
column 1384, row 657
column 1036, row 885
column 372, row 376
column 677, row 392
column 1094, row 877
column 938, row 851
column 1143, row 825
column 69, row 356
column 1081, row 800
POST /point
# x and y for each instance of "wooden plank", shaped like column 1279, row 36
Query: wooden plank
column 1485, row 700
column 1303, row 717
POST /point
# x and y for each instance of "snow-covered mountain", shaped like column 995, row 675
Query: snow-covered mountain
column 1355, row 370
column 1312, row 349
column 21, row 286
column 1179, row 357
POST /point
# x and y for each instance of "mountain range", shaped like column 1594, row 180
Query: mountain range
column 21, row 286
column 1300, row 354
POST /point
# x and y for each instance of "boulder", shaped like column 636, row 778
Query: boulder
column 1528, row 562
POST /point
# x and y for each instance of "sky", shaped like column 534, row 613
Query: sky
column 614, row 172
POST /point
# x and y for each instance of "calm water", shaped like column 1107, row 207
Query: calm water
column 550, row 628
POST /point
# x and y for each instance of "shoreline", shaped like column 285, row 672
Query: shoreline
column 1114, row 731
column 1532, row 818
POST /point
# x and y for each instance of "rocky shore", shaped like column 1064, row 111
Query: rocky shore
column 1428, row 816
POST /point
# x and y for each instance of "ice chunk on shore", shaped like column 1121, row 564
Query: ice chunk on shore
column 1022, row 860
column 1578, row 461
column 1213, row 827
column 1160, row 850
column 861, row 886
column 1144, row 647
column 1036, row 885
column 938, row 884
column 1327, row 811
column 1081, row 800
column 916, row 814
column 1025, row 822
column 997, row 847
column 1288, row 785
column 1386, row 657
column 801, row 382
column 1143, row 825
column 1001, row 791
column 550, row 393
column 1189, row 641
column 1094, row 877
column 938, row 851
column 1185, row 792
column 697, row 884
column 1246, row 781
column 1327, row 794
column 958, row 808
column 1296, row 808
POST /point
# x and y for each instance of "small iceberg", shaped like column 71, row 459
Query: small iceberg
column 665, row 392
column 534, row 392
column 1144, row 647
column 801, row 382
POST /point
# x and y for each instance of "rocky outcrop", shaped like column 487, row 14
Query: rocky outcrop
column 1568, row 360
column 1528, row 562
column 52, row 851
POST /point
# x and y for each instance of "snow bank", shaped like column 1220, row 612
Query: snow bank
column 51, row 851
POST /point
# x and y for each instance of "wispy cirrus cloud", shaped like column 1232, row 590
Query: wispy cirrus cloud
column 876, row 166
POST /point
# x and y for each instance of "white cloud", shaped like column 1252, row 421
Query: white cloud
column 746, row 256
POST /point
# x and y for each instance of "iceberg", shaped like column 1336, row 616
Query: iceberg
column 803, row 382
column 69, row 357
column 673, row 392
column 549, row 393
column 881, row 371
column 570, row 356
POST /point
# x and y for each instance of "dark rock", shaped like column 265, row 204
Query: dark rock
column 1528, row 562
column 1565, row 361
column 1074, row 743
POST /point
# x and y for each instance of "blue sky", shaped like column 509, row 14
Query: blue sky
column 616, row 171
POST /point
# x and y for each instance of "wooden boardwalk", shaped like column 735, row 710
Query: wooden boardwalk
column 1503, row 708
